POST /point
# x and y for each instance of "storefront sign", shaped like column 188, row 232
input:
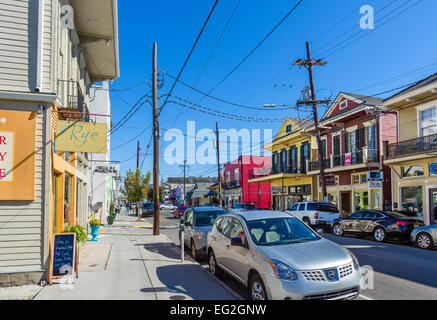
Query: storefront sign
column 375, row 176
column 18, row 155
column 330, row 180
column 347, row 159
column 375, row 184
column 113, row 170
column 81, row 136
column 433, row 169
column 299, row 190
column 278, row 189
column 6, row 156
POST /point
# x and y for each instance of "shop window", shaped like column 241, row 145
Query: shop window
column 333, row 198
column 412, row 201
column 363, row 178
column 355, row 179
column 361, row 200
column 67, row 199
column 376, row 202
column 412, row 171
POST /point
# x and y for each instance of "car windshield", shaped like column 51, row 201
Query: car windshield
column 279, row 231
column 147, row 204
column 206, row 218
column 182, row 208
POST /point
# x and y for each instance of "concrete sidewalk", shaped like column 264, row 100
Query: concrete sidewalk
column 140, row 267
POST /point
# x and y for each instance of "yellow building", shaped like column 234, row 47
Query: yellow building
column 413, row 159
column 291, row 149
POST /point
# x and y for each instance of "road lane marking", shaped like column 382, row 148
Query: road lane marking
column 366, row 254
column 365, row 297
column 354, row 246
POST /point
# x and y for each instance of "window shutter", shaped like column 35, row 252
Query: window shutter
column 346, row 142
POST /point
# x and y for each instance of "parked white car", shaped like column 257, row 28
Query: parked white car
column 167, row 206
column 315, row 213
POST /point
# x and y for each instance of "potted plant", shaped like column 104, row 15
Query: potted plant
column 112, row 214
column 95, row 226
column 81, row 235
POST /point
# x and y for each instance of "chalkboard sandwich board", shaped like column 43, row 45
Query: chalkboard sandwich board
column 63, row 262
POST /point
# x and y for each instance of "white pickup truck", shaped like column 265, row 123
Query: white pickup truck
column 315, row 213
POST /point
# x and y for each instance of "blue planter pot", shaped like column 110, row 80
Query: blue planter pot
column 94, row 232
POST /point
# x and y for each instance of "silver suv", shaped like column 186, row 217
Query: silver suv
column 279, row 257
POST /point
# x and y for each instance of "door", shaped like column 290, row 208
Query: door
column 433, row 206
column 351, row 222
column 367, row 221
column 345, row 202
column 223, row 241
column 238, row 255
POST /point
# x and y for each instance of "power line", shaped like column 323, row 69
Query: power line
column 256, row 47
column 127, row 114
column 220, row 99
column 120, row 124
column 188, row 57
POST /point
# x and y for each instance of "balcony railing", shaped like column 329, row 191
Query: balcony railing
column 314, row 165
column 72, row 100
column 412, row 146
column 261, row 172
column 231, row 184
column 364, row 156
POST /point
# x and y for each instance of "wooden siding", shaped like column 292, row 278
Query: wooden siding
column 18, row 45
column 21, row 222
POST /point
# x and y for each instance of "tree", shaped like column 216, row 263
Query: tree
column 136, row 187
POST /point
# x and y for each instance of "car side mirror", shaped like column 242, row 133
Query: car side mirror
column 238, row 242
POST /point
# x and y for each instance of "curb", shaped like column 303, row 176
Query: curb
column 221, row 283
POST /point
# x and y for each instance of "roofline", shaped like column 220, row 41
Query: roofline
column 415, row 84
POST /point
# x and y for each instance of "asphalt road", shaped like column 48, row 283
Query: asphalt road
column 400, row 272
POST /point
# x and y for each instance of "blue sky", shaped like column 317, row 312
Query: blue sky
column 398, row 45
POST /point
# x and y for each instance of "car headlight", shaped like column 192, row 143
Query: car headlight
column 354, row 260
column 282, row 271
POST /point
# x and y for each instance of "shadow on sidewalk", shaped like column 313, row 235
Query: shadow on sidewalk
column 169, row 250
column 191, row 281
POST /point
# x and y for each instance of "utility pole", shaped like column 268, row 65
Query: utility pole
column 309, row 63
column 184, row 166
column 138, row 154
column 137, row 207
column 218, row 165
column 155, row 145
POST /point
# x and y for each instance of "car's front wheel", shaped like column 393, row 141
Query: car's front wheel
column 379, row 234
column 424, row 241
column 257, row 290
column 338, row 230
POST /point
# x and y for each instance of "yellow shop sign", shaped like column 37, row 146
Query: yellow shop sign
column 81, row 136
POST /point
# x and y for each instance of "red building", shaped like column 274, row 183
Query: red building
column 353, row 130
column 237, row 189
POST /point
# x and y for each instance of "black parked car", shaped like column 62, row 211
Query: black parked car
column 381, row 225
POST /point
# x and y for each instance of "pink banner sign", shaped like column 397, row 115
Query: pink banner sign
column 347, row 159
